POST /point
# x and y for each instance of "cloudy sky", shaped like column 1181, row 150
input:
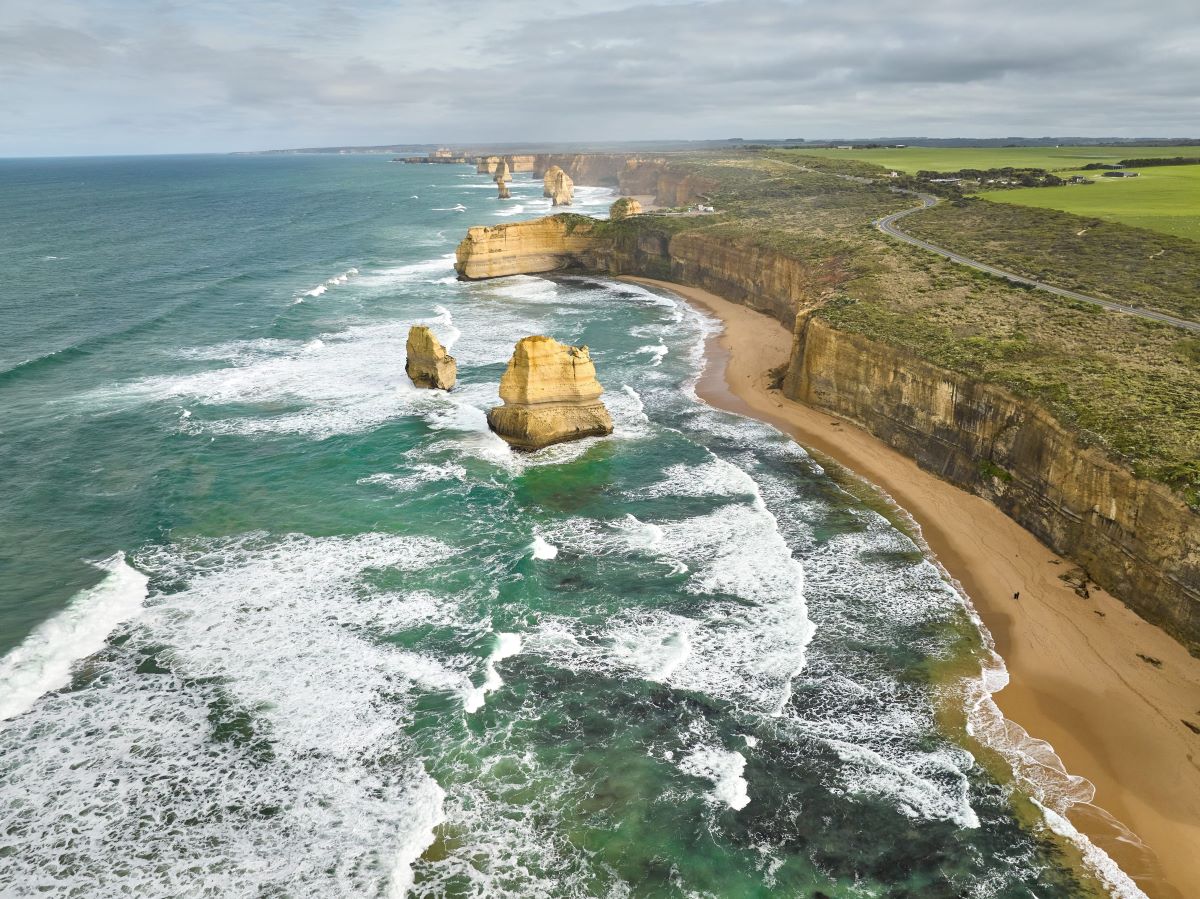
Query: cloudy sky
column 157, row 76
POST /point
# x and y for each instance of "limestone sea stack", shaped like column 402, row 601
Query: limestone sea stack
column 428, row 363
column 558, row 186
column 550, row 395
column 503, row 176
column 624, row 208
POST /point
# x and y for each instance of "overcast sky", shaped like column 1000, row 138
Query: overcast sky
column 157, row 76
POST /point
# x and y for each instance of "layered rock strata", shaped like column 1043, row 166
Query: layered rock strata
column 550, row 395
column 524, row 248
column 427, row 363
column 1135, row 537
column 558, row 186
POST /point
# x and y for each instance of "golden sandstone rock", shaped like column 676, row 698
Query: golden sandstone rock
column 524, row 248
column 558, row 186
column 428, row 363
column 550, row 395
column 503, row 176
column 624, row 208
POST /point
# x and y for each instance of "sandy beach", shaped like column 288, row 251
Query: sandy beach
column 1110, row 692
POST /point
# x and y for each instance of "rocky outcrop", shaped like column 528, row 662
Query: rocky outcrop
column 624, row 208
column 550, row 395
column 503, row 176
column 558, row 186
column 1134, row 537
column 427, row 363
column 526, row 248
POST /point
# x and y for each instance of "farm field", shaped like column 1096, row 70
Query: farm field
column 948, row 159
column 1165, row 199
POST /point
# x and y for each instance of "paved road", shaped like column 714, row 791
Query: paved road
column 887, row 225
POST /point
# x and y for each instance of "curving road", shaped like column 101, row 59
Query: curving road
column 887, row 225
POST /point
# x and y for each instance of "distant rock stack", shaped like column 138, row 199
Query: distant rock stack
column 503, row 176
column 624, row 208
column 550, row 395
column 558, row 186
column 428, row 364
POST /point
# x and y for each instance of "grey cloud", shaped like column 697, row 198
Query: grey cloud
column 225, row 75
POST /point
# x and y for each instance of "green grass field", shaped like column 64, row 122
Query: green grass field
column 1165, row 199
column 914, row 159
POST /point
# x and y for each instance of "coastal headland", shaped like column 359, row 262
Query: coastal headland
column 1029, row 440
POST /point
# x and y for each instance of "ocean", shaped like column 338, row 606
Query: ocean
column 273, row 622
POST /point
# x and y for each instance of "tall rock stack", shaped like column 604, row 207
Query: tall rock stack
column 550, row 395
column 503, row 176
column 428, row 364
column 558, row 186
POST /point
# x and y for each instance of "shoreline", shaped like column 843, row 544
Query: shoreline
column 1082, row 673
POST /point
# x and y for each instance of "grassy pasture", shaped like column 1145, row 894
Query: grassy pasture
column 1164, row 199
column 951, row 159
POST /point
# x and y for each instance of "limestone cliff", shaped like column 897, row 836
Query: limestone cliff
column 550, row 395
column 624, row 208
column 427, row 363
column 631, row 175
column 1135, row 537
column 523, row 248
column 558, row 186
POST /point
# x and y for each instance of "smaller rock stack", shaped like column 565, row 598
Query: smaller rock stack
column 550, row 395
column 558, row 186
column 503, row 176
column 624, row 208
column 428, row 364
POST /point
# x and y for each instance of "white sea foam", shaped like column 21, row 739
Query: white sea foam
column 934, row 786
column 343, row 382
column 725, row 769
column 1119, row 884
column 744, row 641
column 43, row 661
column 506, row 645
column 542, row 549
column 263, row 749
column 332, row 282
column 657, row 352
column 418, row 473
column 448, row 334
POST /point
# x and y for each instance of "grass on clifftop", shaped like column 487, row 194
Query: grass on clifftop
column 1129, row 385
column 1097, row 257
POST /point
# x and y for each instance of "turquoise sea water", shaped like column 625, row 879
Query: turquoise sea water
column 275, row 623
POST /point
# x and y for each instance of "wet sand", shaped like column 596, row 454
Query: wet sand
column 1079, row 671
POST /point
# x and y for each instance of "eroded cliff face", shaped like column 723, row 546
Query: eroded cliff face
column 526, row 248
column 1134, row 537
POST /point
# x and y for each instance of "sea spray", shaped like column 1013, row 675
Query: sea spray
column 44, row 660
